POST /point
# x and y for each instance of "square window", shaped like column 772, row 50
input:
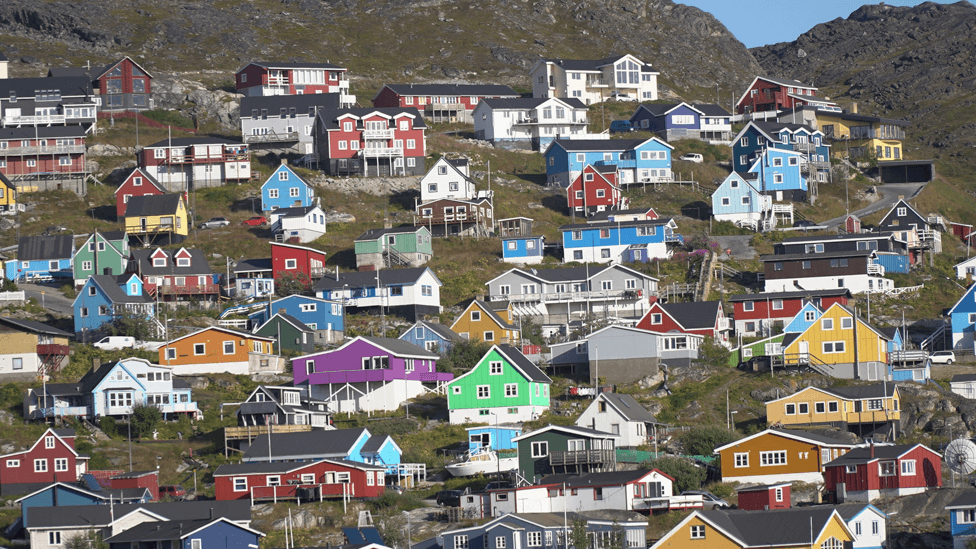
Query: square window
column 484, row 391
column 540, row 449
column 698, row 531
column 804, row 408
column 240, row 484
column 199, row 348
column 742, row 460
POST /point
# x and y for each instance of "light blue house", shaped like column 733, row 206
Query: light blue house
column 778, row 174
column 637, row 160
column 805, row 318
column 962, row 519
column 322, row 316
column 608, row 242
column 286, row 189
column 42, row 258
column 523, row 249
column 962, row 316
column 494, row 437
column 908, row 365
column 357, row 445
column 105, row 297
column 434, row 337
column 739, row 201
column 758, row 136
column 381, row 450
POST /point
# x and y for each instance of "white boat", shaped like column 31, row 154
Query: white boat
column 482, row 461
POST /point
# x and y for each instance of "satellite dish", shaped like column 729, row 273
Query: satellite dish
column 960, row 456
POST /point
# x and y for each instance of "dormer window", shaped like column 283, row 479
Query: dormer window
column 159, row 262
column 134, row 288
column 183, row 262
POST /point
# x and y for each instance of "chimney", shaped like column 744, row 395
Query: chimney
column 387, row 224
column 107, row 271
column 872, row 449
column 284, row 161
column 651, row 299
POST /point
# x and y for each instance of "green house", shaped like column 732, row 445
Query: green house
column 102, row 251
column 764, row 347
column 559, row 449
column 408, row 246
column 291, row 334
column 503, row 387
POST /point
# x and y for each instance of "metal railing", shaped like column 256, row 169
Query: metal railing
column 379, row 134
column 51, row 149
column 582, row 457
column 33, row 120
column 186, row 289
column 372, row 152
column 271, row 137
column 567, row 296
column 274, row 80
column 875, row 269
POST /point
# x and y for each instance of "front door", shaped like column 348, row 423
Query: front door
column 804, row 349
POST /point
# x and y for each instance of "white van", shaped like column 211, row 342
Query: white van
column 114, row 343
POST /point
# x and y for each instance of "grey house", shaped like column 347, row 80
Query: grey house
column 283, row 122
column 559, row 297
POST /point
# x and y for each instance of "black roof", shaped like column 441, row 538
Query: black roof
column 136, row 474
column 31, row 326
column 198, row 263
column 298, row 324
column 191, row 141
column 444, row 331
column 358, row 279
column 163, row 530
column 87, row 515
column 297, row 211
column 110, row 286
column 301, row 103
column 374, row 443
column 863, row 455
column 70, row 86
column 832, row 292
column 32, row 248
column 153, row 204
column 598, row 144
column 708, row 109
column 962, row 377
column 518, row 359
column 530, row 102
column 591, row 64
column 317, row 443
column 834, row 237
column 330, row 117
column 476, row 90
column 629, row 408
column 373, row 234
column 694, row 315
column 43, row 132
column 252, row 265
column 279, row 65
column 595, row 479
column 774, row 128
column 824, row 255
column 779, row 527
column 965, row 499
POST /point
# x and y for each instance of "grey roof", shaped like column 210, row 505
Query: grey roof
column 299, row 211
column 759, row 487
column 444, row 331
column 965, row 499
column 136, row 474
column 45, row 247
column 786, row 82
column 824, row 255
column 32, row 326
column 163, row 530
column 2, row 56
column 153, row 204
column 711, row 109
column 617, row 224
column 274, row 103
column 319, row 443
column 694, row 315
column 835, row 237
column 518, row 359
column 73, row 130
column 863, row 455
column 253, row 265
column 330, row 117
column 832, row 292
column 876, row 390
column 109, row 284
column 530, row 102
column 476, row 90
column 774, row 128
column 86, row 515
column 290, row 320
column 191, row 141
column 399, row 346
column 266, row 407
column 374, row 443
column 286, row 466
column 774, row 527
column 613, row 478
column 70, row 86
column 492, row 313
column 180, row 384
column 367, row 279
column 588, row 64
column 579, row 431
column 279, row 65
column 629, row 408
column 198, row 263
column 958, row 378
column 847, row 511
column 374, row 234
column 707, row 109
column 814, row 437
column 598, row 144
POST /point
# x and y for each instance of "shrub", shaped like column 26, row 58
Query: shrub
column 686, row 474
column 108, row 426
column 701, row 440
column 144, row 420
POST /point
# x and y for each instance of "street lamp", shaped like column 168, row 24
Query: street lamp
column 732, row 419
column 407, row 515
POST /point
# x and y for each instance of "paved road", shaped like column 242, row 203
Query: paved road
column 889, row 196
column 53, row 300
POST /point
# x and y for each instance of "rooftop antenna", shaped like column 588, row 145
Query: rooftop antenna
column 960, row 457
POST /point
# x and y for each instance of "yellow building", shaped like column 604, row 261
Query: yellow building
column 151, row 215
column 833, row 346
column 857, row 136
column 837, row 406
column 488, row 322
column 817, row 527
column 29, row 348
column 8, row 194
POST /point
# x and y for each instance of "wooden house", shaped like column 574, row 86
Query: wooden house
column 704, row 318
column 432, row 336
column 764, row 313
column 123, row 86
column 594, row 80
column 595, row 189
column 292, row 260
column 186, row 163
column 620, row 414
column 779, row 455
column 557, row 449
column 489, row 321
column 186, row 533
column 280, row 405
column 670, row 121
column 104, row 298
column 407, row 246
column 620, row 354
column 8, row 195
column 51, row 458
column 817, row 527
column 409, row 292
column 503, row 384
column 456, row 217
column 101, row 253
column 29, row 349
column 441, row 102
column 840, row 344
column 217, row 349
column 767, row 93
column 260, row 78
column 172, row 276
column 289, row 334
column 763, row 497
column 286, row 189
column 41, row 258
column 374, row 141
column 157, row 218
column 883, row 471
column 863, row 409
column 921, row 232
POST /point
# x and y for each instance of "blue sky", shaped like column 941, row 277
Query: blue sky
column 760, row 22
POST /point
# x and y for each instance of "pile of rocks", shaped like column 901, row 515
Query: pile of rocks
column 379, row 186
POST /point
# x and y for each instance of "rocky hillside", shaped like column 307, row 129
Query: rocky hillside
column 380, row 40
column 918, row 63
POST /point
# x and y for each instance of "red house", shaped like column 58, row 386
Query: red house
column 268, row 78
column 776, row 94
column 174, row 275
column 124, row 86
column 137, row 479
column 371, row 141
column 294, row 260
column 442, row 102
column 137, row 183
column 184, row 163
column 762, row 497
column 52, row 458
column 761, row 314
column 317, row 480
column 866, row 474
column 45, row 158
column 704, row 318
column 595, row 189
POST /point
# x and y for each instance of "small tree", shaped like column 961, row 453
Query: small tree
column 289, row 283
column 463, row 355
column 129, row 323
column 713, row 353
column 578, row 536
column 686, row 475
column 145, row 418
column 701, row 440
column 88, row 540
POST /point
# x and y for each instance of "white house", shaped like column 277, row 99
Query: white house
column 408, row 292
column 620, row 415
column 594, row 80
column 866, row 522
column 964, row 268
column 531, row 122
column 449, row 178
column 304, row 223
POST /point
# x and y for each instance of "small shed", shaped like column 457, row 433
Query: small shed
column 763, row 497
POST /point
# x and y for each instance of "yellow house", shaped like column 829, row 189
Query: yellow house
column 8, row 194
column 488, row 322
column 833, row 346
column 837, row 406
column 857, row 136
column 29, row 348
column 150, row 215
column 817, row 527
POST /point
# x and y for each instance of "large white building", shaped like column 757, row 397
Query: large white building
column 594, row 81
column 531, row 122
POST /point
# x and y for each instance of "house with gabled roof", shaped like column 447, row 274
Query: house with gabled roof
column 406, row 246
column 50, row 458
column 286, row 189
column 46, row 156
column 817, row 527
column 321, row 316
column 157, row 218
column 523, row 250
column 101, row 253
column 183, row 163
column 369, row 374
column 565, row 449
column 531, row 122
column 861, row 409
column 962, row 519
column 450, row 178
column 869, row 524
column 768, row 93
column 921, row 232
column 289, row 333
column 253, row 278
column 595, row 190
column 65, row 494
column 175, row 275
column 801, row 153
column 104, row 298
column 857, row 270
column 624, row 354
column 759, row 497
column 287, row 480
column 621, row 415
column 284, row 122
column 638, row 160
column 882, row 471
column 670, row 121
column 41, row 258
column 548, row 529
column 137, row 183
column 762, row 313
column 299, row 225
column 627, row 241
column 892, row 253
column 182, row 533
column 704, row 318
column 840, row 344
column 503, row 384
column 123, row 86
column 30, row 349
column 409, row 292
column 455, row 217
column 259, row 78
column 738, row 200
column 595, row 80
column 58, row 100
column 219, row 349
column 292, row 260
column 376, row 141
column 442, row 102
column 488, row 321
column 8, row 196
column 283, row 405
column 779, row 455
column 962, row 318
column 432, row 336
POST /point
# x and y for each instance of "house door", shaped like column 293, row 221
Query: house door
column 804, row 349
column 144, row 224
column 779, row 196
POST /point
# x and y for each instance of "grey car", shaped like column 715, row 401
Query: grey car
column 710, row 500
column 215, row 222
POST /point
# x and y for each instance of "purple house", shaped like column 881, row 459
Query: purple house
column 369, row 374
column 670, row 121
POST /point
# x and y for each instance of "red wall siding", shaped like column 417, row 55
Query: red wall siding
column 128, row 188
column 928, row 473
column 758, row 500
column 280, row 253
column 790, row 308
column 386, row 98
column 254, row 74
column 24, row 474
column 127, row 79
column 667, row 324
column 224, row 485
column 150, row 481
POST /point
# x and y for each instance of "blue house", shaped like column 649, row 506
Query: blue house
column 60, row 494
column 495, row 437
column 962, row 316
column 436, row 338
column 322, row 316
column 778, row 174
column 637, row 160
column 42, row 258
column 105, row 297
column 523, row 249
column 381, row 450
column 805, row 318
column 962, row 519
column 187, row 534
column 705, row 122
column 357, row 445
column 286, row 189
column 758, row 136
column 906, row 366
column 739, row 201
column 541, row 530
column 627, row 241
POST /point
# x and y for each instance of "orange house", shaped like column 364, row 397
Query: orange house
column 779, row 455
column 220, row 350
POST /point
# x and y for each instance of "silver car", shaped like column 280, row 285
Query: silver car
column 709, row 500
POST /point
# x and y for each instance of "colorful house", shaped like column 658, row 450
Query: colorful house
column 863, row 409
column 803, row 153
column 285, row 122
column 764, row 313
column 503, row 384
column 623, row 242
column 817, row 527
column 172, row 276
column 869, row 524
column 857, row 270
column 963, row 319
column 123, row 86
column 455, row 217
column 449, row 178
column 298, row 225
column 289, row 334
column 863, row 136
column 8, row 195
column 41, row 258
column 638, row 160
column 762, row 497
column 595, row 189
column 137, row 183
column 891, row 253
column 369, row 374
column 287, row 405
column 101, row 253
column 63, row 494
column 747, row 353
column 407, row 246
column 286, row 189
column 42, row 155
column 217, row 349
column 409, row 293
column 186, row 163
column 490, row 322
column 739, row 201
column 705, row 122
column 767, row 93
column 839, row 344
column 704, row 318
column 259, row 78
column 292, row 260
column 779, row 455
column 620, row 414
column 157, row 217
column 104, row 298
column 375, row 141
column 561, row 449
column 306, row 481
column 619, row 354
column 51, row 458
column 525, row 250
column 432, row 336
column 323, row 317
column 962, row 519
column 442, row 102
column 186, row 533
column 29, row 348
column 883, row 471
column 253, row 278
column 530, row 122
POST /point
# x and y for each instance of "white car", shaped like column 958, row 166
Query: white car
column 942, row 357
column 693, row 157
column 619, row 96
column 114, row 343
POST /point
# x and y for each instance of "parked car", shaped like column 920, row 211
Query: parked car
column 396, row 488
column 693, row 157
column 804, row 223
column 214, row 222
column 621, row 126
column 256, row 221
column 450, row 498
column 171, row 490
column 498, row 485
column 115, row 343
column 710, row 500
column 621, row 96
column 942, row 357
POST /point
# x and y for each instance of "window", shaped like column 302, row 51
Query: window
column 293, row 192
column 49, row 442
column 902, row 212
column 777, row 304
column 13, row 463
column 484, row 391
column 886, row 468
column 240, row 484
column 777, row 457
column 850, row 469
column 875, row 404
column 460, row 542
column 475, row 316
column 540, row 449
column 778, row 266
column 40, row 465
column 171, row 353
column 499, row 542
column 54, row 538
column 291, row 263
column 819, row 407
column 967, row 516
column 61, row 464
column 534, row 539
column 511, row 389
column 489, row 336
column 495, row 368
column 826, row 324
column 846, row 323
column 804, row 408
column 832, row 543
column 874, row 524
column 779, row 494
column 748, row 306
column 742, row 460
column 832, row 406
column 228, row 347
column 908, row 468
column 805, row 265
column 744, row 141
column 833, row 347
column 726, row 201
column 199, row 348
column 698, row 532
column 809, row 316
column 656, row 318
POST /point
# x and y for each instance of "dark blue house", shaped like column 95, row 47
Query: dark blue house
column 436, row 338
column 188, row 534
column 544, row 531
column 757, row 136
column 60, row 494
column 670, row 121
